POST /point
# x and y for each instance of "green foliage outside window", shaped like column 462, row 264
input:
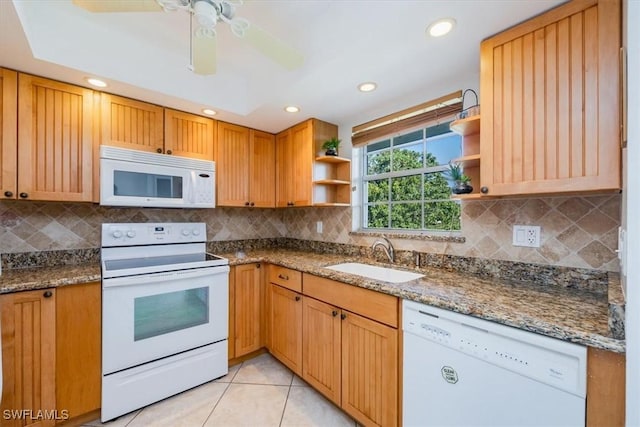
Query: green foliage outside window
column 418, row 199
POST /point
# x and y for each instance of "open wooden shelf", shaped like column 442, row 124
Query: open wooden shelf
column 469, row 196
column 332, row 204
column 466, row 126
column 332, row 159
column 332, row 182
column 470, row 161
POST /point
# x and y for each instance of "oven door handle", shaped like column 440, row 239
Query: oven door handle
column 144, row 279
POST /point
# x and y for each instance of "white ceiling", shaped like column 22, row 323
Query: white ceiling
column 344, row 42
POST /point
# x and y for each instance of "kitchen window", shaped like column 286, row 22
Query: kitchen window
column 403, row 181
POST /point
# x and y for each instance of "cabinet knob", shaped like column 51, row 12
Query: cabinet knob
column 24, row 195
column 334, row 313
column 47, row 294
column 246, row 203
column 297, row 298
column 159, row 150
column 343, row 316
column 8, row 194
column 484, row 190
column 258, row 265
column 169, row 152
column 283, row 277
column 252, row 204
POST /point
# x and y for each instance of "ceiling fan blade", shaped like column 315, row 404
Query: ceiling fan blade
column 204, row 53
column 99, row 6
column 273, row 48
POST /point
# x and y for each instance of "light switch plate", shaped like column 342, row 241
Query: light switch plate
column 526, row 235
column 319, row 227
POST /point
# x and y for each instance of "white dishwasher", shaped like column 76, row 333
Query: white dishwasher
column 464, row 371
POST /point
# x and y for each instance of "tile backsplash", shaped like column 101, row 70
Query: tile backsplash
column 577, row 232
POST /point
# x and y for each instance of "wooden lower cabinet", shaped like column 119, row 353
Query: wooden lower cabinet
column 605, row 388
column 249, row 302
column 28, row 358
column 285, row 320
column 369, row 370
column 321, row 343
column 78, row 348
column 51, row 354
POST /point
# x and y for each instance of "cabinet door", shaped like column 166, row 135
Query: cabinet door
column 321, row 339
column 285, row 322
column 55, row 133
column 369, row 371
column 132, row 124
column 78, row 348
column 301, row 163
column 8, row 134
column 232, row 165
column 28, row 355
column 284, row 173
column 262, row 169
column 188, row 135
column 550, row 102
column 249, row 302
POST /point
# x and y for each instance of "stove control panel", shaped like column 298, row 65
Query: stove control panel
column 129, row 234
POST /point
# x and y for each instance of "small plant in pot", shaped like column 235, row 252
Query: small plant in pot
column 331, row 146
column 461, row 181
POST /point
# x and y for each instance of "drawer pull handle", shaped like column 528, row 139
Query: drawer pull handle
column 297, row 298
column 334, row 313
column 48, row 294
column 283, row 277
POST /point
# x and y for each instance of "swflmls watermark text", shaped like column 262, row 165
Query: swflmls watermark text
column 35, row 415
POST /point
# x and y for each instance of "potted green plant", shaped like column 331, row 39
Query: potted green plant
column 461, row 181
column 331, row 146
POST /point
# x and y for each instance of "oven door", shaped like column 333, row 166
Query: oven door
column 151, row 316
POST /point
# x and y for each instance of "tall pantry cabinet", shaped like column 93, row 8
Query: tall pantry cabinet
column 550, row 102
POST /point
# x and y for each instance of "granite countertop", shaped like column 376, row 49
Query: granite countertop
column 575, row 315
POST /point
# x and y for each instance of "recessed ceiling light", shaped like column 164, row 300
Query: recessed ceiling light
column 441, row 27
column 367, row 87
column 95, row 82
column 291, row 109
column 209, row 112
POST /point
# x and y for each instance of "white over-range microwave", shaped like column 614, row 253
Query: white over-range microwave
column 138, row 178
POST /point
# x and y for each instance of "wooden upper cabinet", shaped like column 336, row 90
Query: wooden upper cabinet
column 188, row 135
column 262, row 169
column 550, row 102
column 245, row 167
column 8, row 134
column 55, row 133
column 132, row 124
column 232, row 165
column 295, row 150
column 29, row 355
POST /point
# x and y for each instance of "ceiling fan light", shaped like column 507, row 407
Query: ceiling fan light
column 209, row 112
column 205, row 13
column 291, row 109
column 441, row 27
column 367, row 87
column 96, row 82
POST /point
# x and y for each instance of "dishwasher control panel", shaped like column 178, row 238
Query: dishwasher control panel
column 548, row 360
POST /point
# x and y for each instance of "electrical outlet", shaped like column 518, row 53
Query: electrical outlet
column 526, row 235
column 319, row 227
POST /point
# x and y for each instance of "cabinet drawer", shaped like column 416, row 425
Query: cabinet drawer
column 285, row 277
column 374, row 305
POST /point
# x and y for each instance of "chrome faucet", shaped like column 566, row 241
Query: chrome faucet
column 387, row 248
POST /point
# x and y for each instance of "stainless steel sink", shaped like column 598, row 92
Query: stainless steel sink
column 374, row 272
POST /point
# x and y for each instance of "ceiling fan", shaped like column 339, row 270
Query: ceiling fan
column 206, row 14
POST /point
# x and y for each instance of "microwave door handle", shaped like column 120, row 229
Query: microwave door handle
column 190, row 196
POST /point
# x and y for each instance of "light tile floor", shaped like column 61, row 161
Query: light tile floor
column 258, row 392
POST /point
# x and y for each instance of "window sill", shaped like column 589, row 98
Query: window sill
column 426, row 236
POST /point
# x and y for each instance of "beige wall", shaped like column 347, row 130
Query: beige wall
column 576, row 231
